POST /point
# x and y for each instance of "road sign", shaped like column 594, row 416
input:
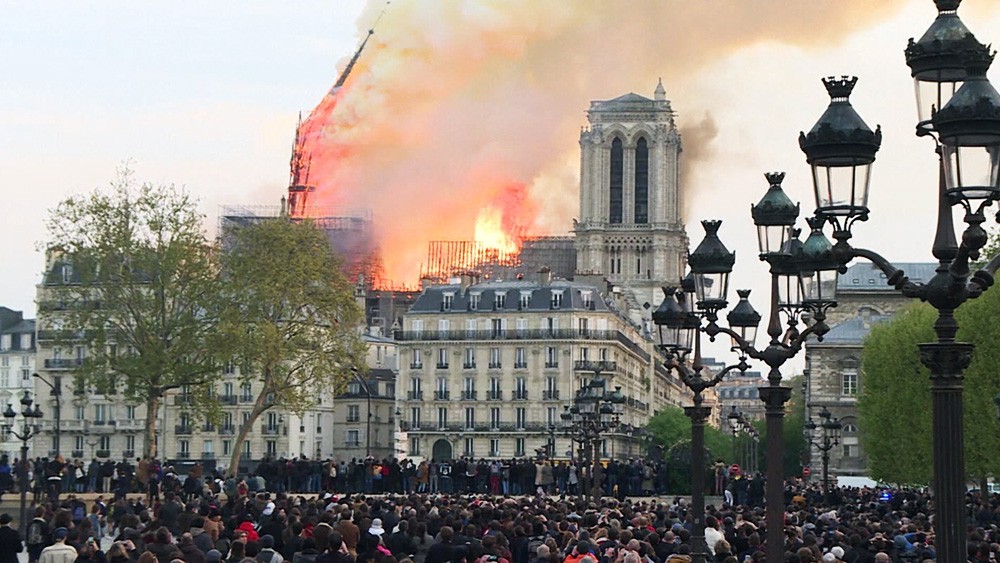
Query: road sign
column 805, row 471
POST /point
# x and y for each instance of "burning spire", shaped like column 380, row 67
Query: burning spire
column 308, row 133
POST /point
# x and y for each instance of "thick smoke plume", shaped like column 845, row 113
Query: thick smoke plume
column 461, row 112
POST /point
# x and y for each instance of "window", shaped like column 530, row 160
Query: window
column 353, row 438
column 442, row 417
column 494, row 418
column 584, row 354
column 5, row 378
column 552, row 325
column 246, row 393
column 551, row 357
column 414, row 447
column 641, row 182
column 67, row 273
column 587, row 298
column 849, row 383
column 442, row 362
column 520, row 359
column 584, row 326
column 447, row 300
column 494, row 358
column 414, row 418
column 5, row 360
column 521, row 326
column 474, row 301
column 353, row 413
column 494, row 447
column 184, row 448
column 520, row 388
column 5, row 342
column 470, row 328
column 78, row 443
column 602, row 354
column 101, row 413
column 271, row 448
column 415, row 392
column 518, row 447
column 469, row 389
column 616, row 180
column 444, row 325
column 470, row 358
column 130, row 413
column 497, row 327
column 130, row 443
column 520, row 417
column 557, row 299
column 470, row 418
column 227, row 447
column 415, row 360
column 78, row 412
column 524, row 300
column 354, row 388
column 495, row 393
column 441, row 394
column 418, row 328
column 470, row 447
column 500, row 300
column 229, row 368
column 851, row 450
column 208, row 448
column 551, row 389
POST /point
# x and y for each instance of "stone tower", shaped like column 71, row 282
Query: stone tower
column 630, row 229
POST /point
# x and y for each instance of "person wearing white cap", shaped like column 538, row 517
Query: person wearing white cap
column 376, row 528
column 268, row 509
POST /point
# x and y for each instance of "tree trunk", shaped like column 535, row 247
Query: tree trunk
column 258, row 408
column 152, row 409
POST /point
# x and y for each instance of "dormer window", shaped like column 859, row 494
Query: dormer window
column 447, row 300
column 501, row 300
column 525, row 300
column 474, row 301
column 588, row 299
column 67, row 273
column 557, row 299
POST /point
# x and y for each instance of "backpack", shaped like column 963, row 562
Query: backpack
column 36, row 533
column 266, row 555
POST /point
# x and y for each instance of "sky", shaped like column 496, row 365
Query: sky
column 206, row 95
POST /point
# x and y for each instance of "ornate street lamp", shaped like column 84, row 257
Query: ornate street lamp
column 29, row 428
column 594, row 412
column 960, row 110
column 824, row 437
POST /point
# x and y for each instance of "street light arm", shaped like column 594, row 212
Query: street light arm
column 893, row 275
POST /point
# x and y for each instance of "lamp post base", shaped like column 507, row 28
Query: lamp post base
column 775, row 397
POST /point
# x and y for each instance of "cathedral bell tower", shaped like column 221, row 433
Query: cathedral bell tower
column 630, row 229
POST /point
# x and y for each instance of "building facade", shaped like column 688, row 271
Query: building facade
column 486, row 369
column 630, row 228
column 833, row 366
column 17, row 364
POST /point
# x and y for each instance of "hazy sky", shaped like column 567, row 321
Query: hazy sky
column 205, row 95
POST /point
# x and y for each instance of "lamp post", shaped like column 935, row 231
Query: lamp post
column 56, row 388
column 803, row 279
column 29, row 428
column 824, row 437
column 595, row 411
column 678, row 329
column 959, row 109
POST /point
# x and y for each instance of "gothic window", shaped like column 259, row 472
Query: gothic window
column 641, row 182
column 617, row 172
column 849, row 382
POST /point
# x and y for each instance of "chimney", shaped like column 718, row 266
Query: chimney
column 545, row 276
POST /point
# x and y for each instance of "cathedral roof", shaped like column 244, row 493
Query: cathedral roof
column 631, row 97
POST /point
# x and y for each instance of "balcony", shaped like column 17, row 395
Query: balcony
column 415, row 396
column 495, row 365
column 246, row 398
column 270, row 430
column 228, row 399
column 466, row 365
column 353, row 443
column 353, row 418
column 227, row 430
column 605, row 366
column 551, row 365
column 494, row 395
column 469, row 395
column 550, row 395
column 208, row 427
column 102, row 454
column 182, row 400
column 183, row 429
column 521, row 395
column 103, row 426
column 131, row 424
column 520, row 365
column 416, row 365
column 442, row 396
column 183, row 455
column 77, row 453
column 63, row 363
column 441, row 365
column 128, row 453
column 207, row 455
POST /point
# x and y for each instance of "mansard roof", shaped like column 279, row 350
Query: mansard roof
column 865, row 276
column 854, row 330
column 26, row 326
column 540, row 299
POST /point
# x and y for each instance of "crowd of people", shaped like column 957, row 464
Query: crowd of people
column 541, row 525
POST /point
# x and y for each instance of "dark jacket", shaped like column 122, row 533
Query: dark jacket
column 10, row 544
column 164, row 552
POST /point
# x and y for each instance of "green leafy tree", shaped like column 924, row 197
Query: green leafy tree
column 291, row 316
column 796, row 445
column 895, row 400
column 138, row 289
column 671, row 428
